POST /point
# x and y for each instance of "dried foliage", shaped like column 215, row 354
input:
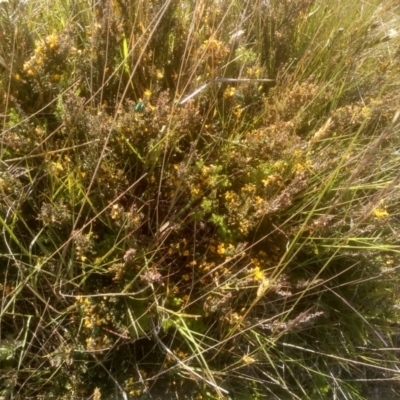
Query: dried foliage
column 234, row 241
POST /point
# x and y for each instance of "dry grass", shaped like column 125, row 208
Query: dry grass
column 199, row 199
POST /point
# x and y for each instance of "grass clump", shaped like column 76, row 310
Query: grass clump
column 199, row 199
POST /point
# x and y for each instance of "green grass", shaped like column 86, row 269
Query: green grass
column 234, row 242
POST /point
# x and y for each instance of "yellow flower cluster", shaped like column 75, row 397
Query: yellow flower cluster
column 207, row 266
column 84, row 244
column 380, row 213
column 244, row 226
column 192, row 263
column 221, row 248
column 232, row 198
column 101, row 342
column 135, row 387
column 196, row 190
column 90, row 318
column 116, row 210
column 229, row 92
column 237, row 111
column 258, row 274
column 52, row 41
column 255, row 72
column 269, row 180
column 40, row 57
column 249, row 188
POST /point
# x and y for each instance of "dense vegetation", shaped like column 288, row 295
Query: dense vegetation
column 199, row 199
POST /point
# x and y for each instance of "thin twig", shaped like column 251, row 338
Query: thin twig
column 219, row 80
column 77, row 296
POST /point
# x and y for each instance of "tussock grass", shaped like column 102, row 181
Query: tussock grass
column 199, row 199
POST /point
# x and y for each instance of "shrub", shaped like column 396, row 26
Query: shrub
column 199, row 198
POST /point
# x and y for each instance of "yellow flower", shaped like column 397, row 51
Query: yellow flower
column 249, row 187
column 58, row 166
column 258, row 200
column 280, row 165
column 381, row 213
column 186, row 277
column 237, row 111
column 195, row 190
column 270, row 179
column 181, row 354
column 115, row 211
column 52, row 41
column 221, row 248
column 229, row 92
column 258, row 274
column 231, row 197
